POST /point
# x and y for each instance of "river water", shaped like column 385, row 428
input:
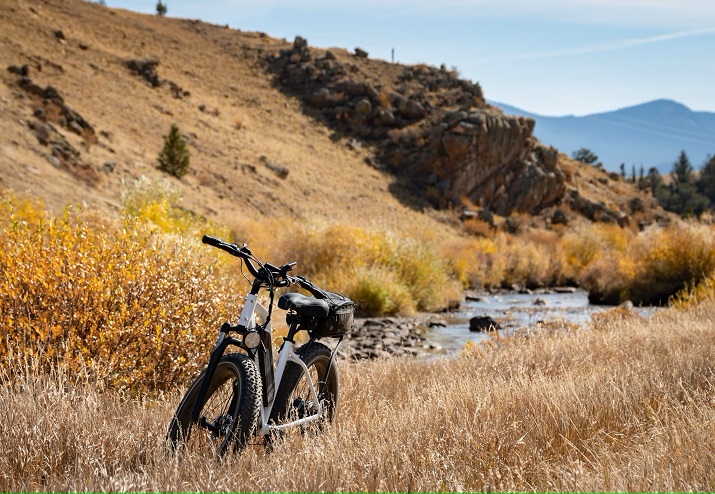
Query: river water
column 514, row 311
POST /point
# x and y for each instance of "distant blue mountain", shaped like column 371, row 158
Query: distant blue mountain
column 651, row 134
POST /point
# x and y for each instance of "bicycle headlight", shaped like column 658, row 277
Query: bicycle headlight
column 252, row 339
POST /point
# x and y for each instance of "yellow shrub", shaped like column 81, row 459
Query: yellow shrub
column 476, row 263
column 157, row 203
column 591, row 242
column 138, row 311
column 379, row 293
column 696, row 294
column 653, row 266
column 355, row 260
column 534, row 259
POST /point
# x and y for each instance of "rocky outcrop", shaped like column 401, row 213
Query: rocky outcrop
column 50, row 106
column 596, row 211
column 485, row 156
column 434, row 130
column 147, row 70
column 50, row 109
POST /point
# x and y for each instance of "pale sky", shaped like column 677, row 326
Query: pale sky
column 549, row 57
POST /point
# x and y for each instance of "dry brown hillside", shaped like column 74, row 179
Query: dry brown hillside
column 78, row 117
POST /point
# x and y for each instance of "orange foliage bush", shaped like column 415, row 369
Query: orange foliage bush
column 138, row 312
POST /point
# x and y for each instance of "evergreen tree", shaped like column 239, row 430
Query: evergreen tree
column 706, row 181
column 584, row 156
column 161, row 8
column 682, row 169
column 174, row 158
column 682, row 195
column 654, row 179
column 683, row 199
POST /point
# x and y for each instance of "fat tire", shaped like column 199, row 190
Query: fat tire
column 243, row 410
column 314, row 355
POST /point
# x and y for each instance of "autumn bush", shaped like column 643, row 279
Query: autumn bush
column 652, row 266
column 476, row 262
column 157, row 204
column 387, row 272
column 136, row 308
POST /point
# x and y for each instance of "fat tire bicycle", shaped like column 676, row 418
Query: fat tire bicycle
column 241, row 395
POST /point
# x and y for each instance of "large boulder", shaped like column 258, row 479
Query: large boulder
column 483, row 323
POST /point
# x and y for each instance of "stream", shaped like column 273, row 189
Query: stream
column 513, row 311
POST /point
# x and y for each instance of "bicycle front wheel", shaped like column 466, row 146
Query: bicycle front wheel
column 231, row 410
column 294, row 399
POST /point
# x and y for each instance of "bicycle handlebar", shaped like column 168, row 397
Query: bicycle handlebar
column 245, row 253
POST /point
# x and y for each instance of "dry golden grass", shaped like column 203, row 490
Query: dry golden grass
column 628, row 405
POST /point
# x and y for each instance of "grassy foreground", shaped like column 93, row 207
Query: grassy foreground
column 626, row 405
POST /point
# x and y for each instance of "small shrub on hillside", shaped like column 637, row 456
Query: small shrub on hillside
column 478, row 227
column 174, row 157
column 157, row 203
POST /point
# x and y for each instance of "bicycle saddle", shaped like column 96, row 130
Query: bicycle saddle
column 305, row 306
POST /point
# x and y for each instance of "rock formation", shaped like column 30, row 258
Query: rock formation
column 434, row 130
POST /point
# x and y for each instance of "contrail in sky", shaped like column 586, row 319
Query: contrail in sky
column 609, row 46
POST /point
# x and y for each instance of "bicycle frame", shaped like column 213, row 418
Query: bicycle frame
column 263, row 358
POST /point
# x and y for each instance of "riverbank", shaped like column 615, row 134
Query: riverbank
column 378, row 337
column 431, row 334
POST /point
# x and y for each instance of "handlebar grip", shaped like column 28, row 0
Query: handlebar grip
column 212, row 241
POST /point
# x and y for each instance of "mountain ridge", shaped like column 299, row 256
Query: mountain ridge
column 650, row 134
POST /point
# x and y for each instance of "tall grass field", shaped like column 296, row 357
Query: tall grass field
column 628, row 404
column 105, row 323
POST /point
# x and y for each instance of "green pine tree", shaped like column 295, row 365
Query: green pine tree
column 174, row 158
column 161, row 8
column 706, row 181
column 585, row 155
column 682, row 169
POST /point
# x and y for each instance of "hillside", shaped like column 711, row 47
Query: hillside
column 89, row 91
column 650, row 134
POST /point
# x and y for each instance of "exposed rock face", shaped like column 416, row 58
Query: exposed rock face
column 483, row 155
column 433, row 130
column 146, row 69
column 50, row 106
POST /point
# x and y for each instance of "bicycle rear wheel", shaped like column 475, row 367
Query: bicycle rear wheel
column 294, row 399
column 231, row 410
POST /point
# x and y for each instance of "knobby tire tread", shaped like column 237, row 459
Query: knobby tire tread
column 247, row 410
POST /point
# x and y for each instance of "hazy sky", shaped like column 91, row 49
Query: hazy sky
column 550, row 57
